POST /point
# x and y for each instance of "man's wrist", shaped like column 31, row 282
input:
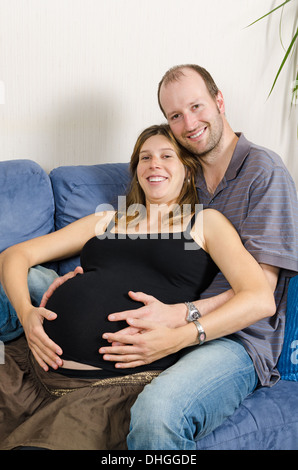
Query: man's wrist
column 192, row 312
column 179, row 317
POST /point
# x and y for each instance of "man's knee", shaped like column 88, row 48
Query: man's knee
column 153, row 412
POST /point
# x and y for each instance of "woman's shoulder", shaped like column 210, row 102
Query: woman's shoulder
column 210, row 216
column 209, row 223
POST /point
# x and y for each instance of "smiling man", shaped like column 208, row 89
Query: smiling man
column 193, row 113
column 195, row 109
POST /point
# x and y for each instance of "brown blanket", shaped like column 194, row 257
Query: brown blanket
column 49, row 410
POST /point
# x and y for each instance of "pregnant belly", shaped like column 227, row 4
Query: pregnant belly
column 82, row 305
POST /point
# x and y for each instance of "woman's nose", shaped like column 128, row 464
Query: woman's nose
column 154, row 162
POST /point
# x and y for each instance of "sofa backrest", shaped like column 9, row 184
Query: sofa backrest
column 81, row 190
column 33, row 203
column 26, row 202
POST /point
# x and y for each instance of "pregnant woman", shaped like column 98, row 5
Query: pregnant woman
column 161, row 245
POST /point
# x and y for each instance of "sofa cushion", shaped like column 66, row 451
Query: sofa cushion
column 27, row 205
column 266, row 420
column 288, row 361
column 79, row 190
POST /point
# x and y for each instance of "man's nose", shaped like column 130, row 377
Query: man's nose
column 190, row 121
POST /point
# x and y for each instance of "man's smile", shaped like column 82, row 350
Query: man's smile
column 197, row 134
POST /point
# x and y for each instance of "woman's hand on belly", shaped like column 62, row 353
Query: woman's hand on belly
column 153, row 343
column 57, row 283
column 45, row 351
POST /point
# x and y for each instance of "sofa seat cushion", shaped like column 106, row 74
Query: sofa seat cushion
column 288, row 361
column 27, row 204
column 81, row 190
column 266, row 420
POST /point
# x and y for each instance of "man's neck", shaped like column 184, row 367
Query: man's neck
column 215, row 164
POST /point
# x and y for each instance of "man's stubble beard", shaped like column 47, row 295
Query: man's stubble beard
column 214, row 142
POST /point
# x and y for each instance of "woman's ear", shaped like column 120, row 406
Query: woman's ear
column 187, row 175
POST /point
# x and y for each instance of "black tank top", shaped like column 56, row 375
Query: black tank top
column 171, row 267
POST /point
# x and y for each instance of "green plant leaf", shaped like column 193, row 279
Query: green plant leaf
column 284, row 59
column 269, row 13
column 295, row 92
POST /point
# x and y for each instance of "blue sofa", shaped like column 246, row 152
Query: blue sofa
column 33, row 203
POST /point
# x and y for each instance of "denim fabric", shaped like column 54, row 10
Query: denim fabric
column 190, row 399
column 39, row 279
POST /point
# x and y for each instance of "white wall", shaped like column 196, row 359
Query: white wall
column 81, row 75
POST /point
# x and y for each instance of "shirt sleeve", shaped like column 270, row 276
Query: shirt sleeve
column 270, row 230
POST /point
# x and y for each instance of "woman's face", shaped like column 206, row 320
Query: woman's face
column 160, row 172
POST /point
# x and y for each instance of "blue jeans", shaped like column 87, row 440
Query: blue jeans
column 191, row 398
column 39, row 279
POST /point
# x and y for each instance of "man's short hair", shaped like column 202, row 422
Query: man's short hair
column 176, row 72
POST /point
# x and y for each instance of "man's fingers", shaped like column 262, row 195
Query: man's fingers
column 130, row 335
column 135, row 313
column 120, row 316
column 141, row 297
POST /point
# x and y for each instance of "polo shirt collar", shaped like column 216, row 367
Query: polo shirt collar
column 240, row 153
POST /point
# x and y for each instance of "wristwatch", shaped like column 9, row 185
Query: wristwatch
column 192, row 312
column 201, row 332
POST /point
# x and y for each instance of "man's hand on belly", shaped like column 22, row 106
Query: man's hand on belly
column 171, row 316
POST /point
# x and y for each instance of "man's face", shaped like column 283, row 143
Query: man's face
column 193, row 115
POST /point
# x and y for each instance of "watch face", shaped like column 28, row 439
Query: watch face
column 195, row 315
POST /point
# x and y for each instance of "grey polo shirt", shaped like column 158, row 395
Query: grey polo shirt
column 258, row 195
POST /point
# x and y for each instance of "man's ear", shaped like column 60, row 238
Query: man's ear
column 220, row 102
